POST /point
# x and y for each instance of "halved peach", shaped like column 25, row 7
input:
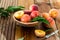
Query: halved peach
column 18, row 14
column 40, row 33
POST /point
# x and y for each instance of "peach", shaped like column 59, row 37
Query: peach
column 40, row 33
column 18, row 14
column 27, row 12
column 34, row 14
column 33, row 7
column 51, row 21
column 53, row 13
column 25, row 18
column 45, row 15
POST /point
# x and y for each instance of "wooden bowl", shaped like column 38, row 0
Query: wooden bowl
column 29, row 24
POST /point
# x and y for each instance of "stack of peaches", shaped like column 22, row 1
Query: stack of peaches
column 27, row 15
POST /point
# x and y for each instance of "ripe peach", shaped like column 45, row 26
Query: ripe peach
column 27, row 12
column 40, row 33
column 53, row 13
column 51, row 21
column 18, row 14
column 34, row 14
column 25, row 18
column 45, row 15
column 33, row 7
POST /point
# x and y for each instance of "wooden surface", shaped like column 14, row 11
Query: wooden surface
column 7, row 25
column 9, row 29
column 28, row 33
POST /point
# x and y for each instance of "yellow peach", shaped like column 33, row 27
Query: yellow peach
column 53, row 13
column 45, row 15
column 18, row 14
column 40, row 33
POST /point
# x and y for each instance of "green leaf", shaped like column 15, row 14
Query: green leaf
column 14, row 8
column 49, row 29
column 1, row 9
column 21, row 38
column 40, row 19
column 4, row 14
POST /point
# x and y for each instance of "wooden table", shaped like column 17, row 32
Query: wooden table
column 9, row 29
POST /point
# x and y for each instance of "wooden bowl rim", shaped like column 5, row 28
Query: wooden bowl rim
column 23, row 22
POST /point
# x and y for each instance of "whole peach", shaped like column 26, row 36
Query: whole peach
column 45, row 15
column 51, row 21
column 53, row 13
column 33, row 7
column 34, row 14
column 27, row 12
column 25, row 18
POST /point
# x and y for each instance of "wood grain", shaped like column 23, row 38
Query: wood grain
column 29, row 35
column 9, row 30
column 25, row 3
column 7, row 25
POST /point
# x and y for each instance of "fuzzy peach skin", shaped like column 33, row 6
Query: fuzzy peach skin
column 45, row 15
column 34, row 14
column 27, row 12
column 25, row 18
column 50, row 19
column 53, row 13
column 33, row 7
